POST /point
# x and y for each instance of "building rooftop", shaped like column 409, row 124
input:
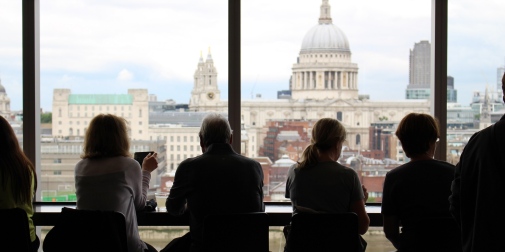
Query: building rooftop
column 96, row 99
column 182, row 118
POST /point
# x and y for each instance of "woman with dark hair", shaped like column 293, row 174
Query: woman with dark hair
column 320, row 184
column 417, row 192
column 18, row 180
column 107, row 178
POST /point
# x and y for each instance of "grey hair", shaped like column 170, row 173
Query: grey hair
column 215, row 129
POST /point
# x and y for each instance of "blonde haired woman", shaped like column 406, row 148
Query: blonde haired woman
column 319, row 184
column 107, row 178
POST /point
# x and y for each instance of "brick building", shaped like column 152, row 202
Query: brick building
column 286, row 137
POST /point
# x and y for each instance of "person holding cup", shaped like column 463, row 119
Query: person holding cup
column 109, row 179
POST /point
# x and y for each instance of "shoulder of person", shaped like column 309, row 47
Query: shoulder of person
column 249, row 161
column 445, row 164
column 344, row 168
column 190, row 161
column 125, row 160
column 397, row 170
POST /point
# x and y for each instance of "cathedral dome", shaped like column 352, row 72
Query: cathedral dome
column 325, row 37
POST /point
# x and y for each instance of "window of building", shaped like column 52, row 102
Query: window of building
column 339, row 115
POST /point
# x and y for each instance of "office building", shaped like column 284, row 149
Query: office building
column 420, row 74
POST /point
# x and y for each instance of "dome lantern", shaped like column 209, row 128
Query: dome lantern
column 325, row 37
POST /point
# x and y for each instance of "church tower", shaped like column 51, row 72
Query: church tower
column 485, row 114
column 205, row 92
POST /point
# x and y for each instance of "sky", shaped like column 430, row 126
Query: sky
column 109, row 46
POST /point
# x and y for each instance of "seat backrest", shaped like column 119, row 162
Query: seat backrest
column 323, row 232
column 246, row 232
column 433, row 233
column 14, row 230
column 87, row 230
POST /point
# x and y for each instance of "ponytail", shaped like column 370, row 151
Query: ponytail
column 309, row 156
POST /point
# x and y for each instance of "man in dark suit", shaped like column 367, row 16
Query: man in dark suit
column 477, row 201
column 218, row 181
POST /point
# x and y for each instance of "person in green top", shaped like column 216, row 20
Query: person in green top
column 18, row 180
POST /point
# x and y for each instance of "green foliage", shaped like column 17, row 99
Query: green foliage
column 383, row 118
column 46, row 117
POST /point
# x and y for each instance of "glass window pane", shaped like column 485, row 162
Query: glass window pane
column 343, row 60
column 476, row 63
column 350, row 61
column 11, row 79
column 153, row 63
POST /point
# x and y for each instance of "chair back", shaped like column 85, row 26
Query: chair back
column 323, row 232
column 246, row 232
column 433, row 233
column 87, row 230
column 14, row 230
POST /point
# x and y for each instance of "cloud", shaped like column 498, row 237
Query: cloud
column 89, row 41
column 125, row 75
column 67, row 78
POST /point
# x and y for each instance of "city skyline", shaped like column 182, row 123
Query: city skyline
column 94, row 52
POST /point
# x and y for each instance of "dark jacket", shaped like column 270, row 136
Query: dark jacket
column 218, row 181
column 477, row 190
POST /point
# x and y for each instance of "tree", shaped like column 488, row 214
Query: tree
column 46, row 117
